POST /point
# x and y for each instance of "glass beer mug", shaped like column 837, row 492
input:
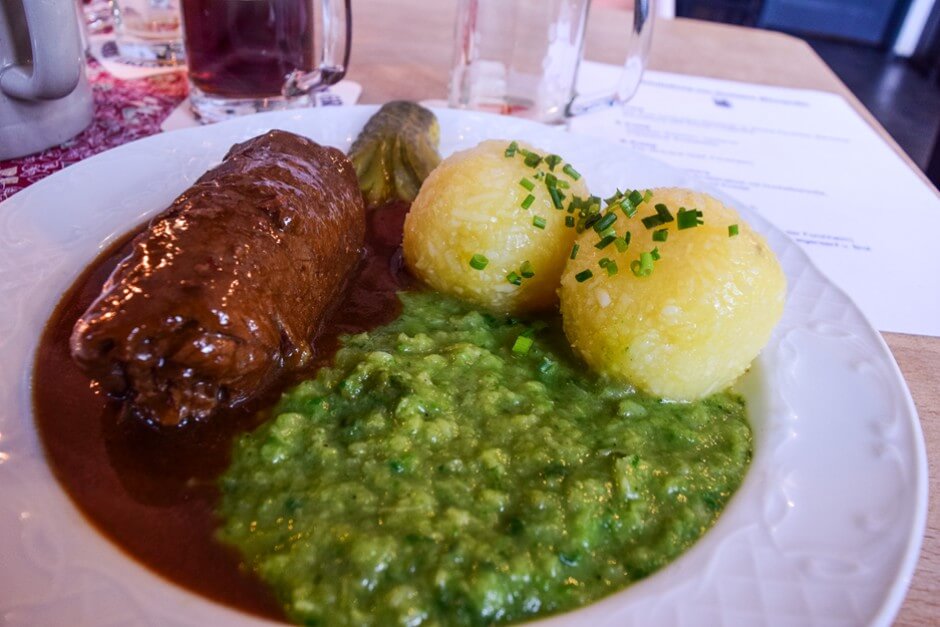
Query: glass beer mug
column 521, row 57
column 246, row 56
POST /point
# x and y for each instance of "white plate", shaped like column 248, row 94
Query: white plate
column 825, row 529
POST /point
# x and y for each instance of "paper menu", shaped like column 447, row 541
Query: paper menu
column 807, row 162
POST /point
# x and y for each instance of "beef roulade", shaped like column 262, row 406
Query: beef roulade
column 223, row 292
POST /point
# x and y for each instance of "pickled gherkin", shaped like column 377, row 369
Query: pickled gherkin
column 395, row 152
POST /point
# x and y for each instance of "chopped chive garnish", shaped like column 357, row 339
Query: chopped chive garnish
column 688, row 218
column 610, row 231
column 552, row 161
column 527, row 270
column 546, row 366
column 527, row 202
column 569, row 221
column 643, row 266
column 647, row 195
column 574, row 251
column 514, row 278
column 621, row 243
column 603, row 262
column 661, row 235
column 628, row 207
column 592, row 220
column 604, row 243
column 662, row 216
column 511, row 149
column 478, row 262
column 563, row 184
column 538, row 222
column 532, row 160
column 636, row 197
column 571, row 172
column 522, row 345
column 604, row 223
column 539, row 175
column 655, row 254
column 550, row 179
column 556, row 197
column 732, row 230
column 529, row 185
column 611, row 268
column 583, row 276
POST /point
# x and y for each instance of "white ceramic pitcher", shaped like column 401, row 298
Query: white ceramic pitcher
column 45, row 98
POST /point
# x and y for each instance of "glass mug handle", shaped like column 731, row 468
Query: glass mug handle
column 640, row 36
column 334, row 53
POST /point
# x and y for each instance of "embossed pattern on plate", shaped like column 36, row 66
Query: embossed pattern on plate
column 825, row 529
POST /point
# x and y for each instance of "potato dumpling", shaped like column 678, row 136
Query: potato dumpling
column 693, row 324
column 485, row 228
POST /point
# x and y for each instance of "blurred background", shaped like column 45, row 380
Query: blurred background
column 886, row 51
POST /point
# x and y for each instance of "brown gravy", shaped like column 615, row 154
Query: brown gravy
column 153, row 493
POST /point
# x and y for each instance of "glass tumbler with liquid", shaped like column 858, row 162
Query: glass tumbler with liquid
column 147, row 32
column 521, row 57
column 246, row 56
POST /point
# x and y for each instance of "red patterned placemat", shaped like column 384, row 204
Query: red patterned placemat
column 125, row 110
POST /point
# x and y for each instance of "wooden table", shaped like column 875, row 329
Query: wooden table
column 416, row 67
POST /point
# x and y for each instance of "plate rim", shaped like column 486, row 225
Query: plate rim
column 893, row 596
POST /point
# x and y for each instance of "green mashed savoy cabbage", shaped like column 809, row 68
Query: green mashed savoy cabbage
column 433, row 476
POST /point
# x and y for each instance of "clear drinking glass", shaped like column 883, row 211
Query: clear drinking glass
column 148, row 31
column 246, row 56
column 97, row 15
column 521, row 57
